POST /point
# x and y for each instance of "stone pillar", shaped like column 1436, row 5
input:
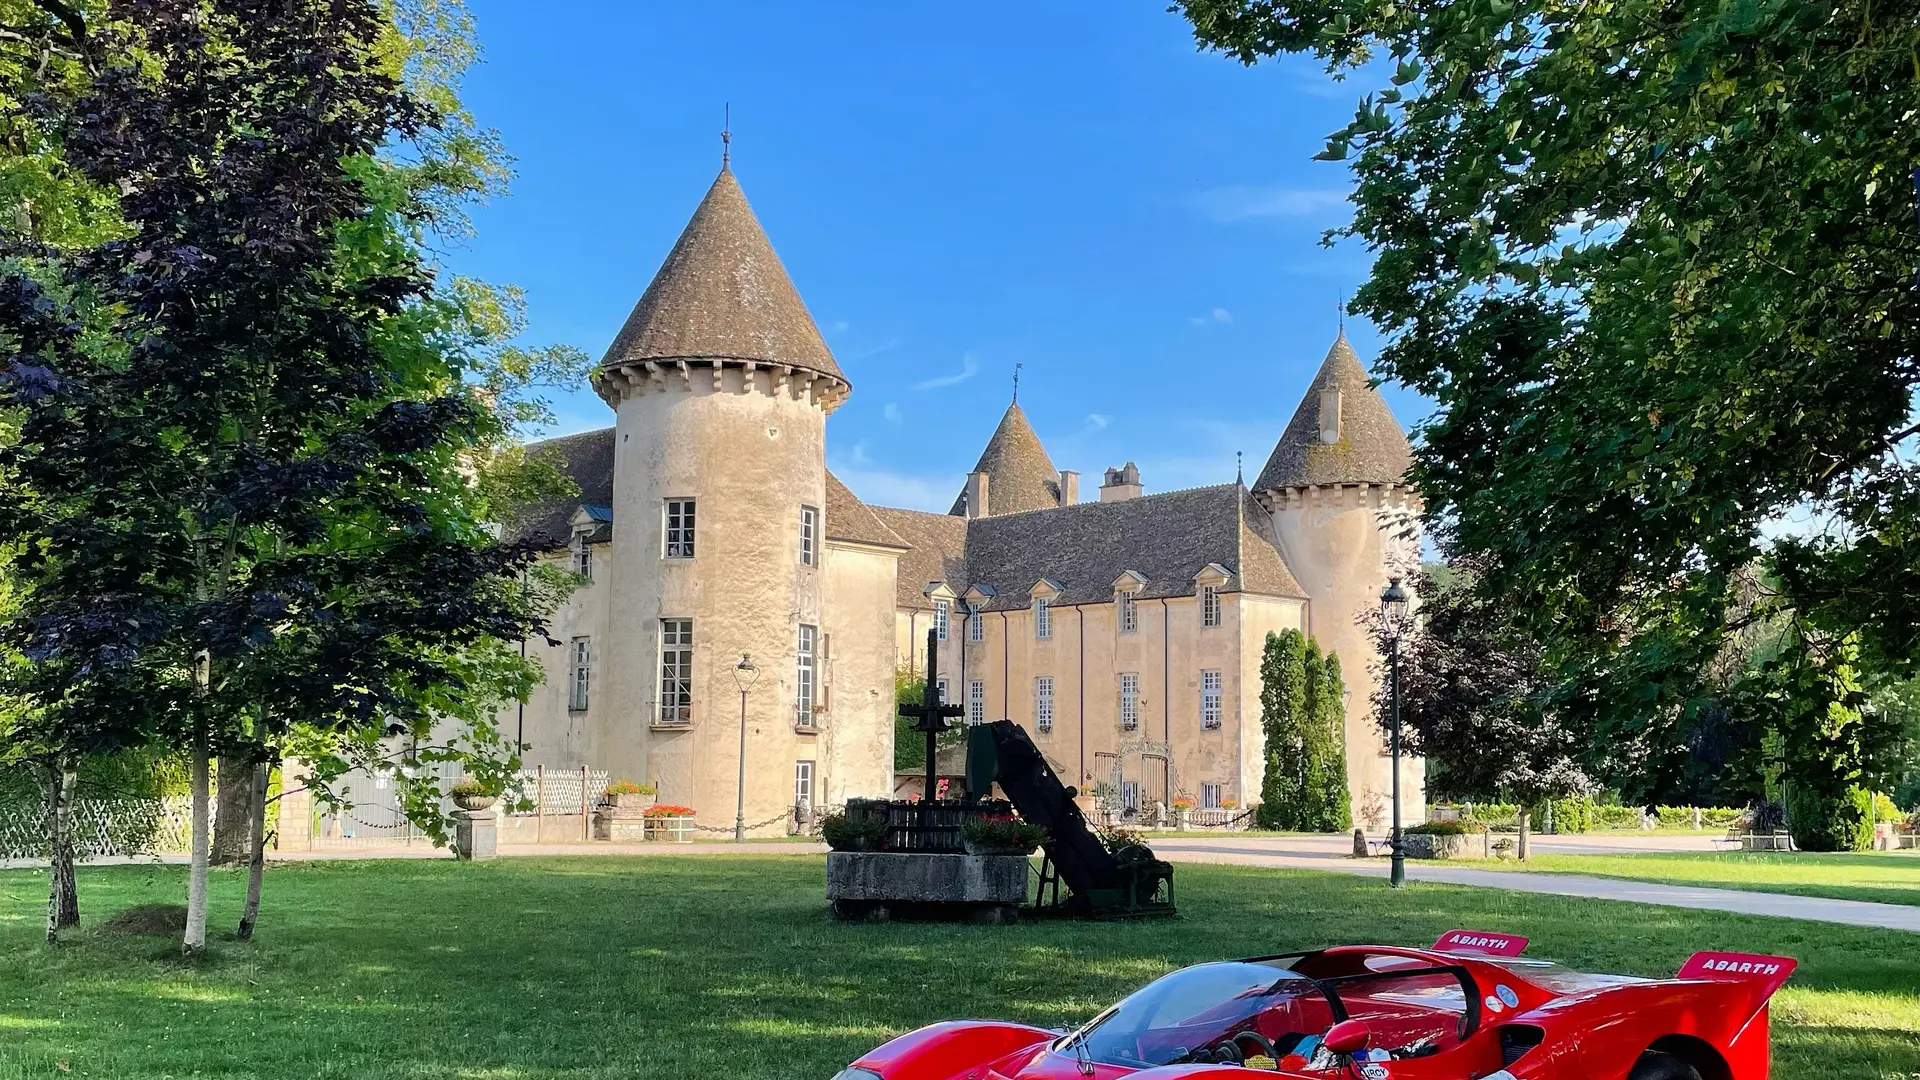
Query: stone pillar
column 476, row 834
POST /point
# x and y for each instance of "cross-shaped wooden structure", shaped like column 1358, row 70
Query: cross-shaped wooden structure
column 931, row 713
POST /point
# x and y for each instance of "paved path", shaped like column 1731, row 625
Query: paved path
column 1288, row 853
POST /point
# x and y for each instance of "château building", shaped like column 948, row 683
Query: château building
column 1122, row 630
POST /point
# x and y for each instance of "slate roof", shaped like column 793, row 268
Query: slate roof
column 722, row 294
column 1372, row 447
column 588, row 459
column 851, row 520
column 1020, row 476
column 938, row 553
column 1167, row 538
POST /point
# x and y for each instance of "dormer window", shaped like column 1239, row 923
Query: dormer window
column 1209, row 605
column 1129, row 612
column 1330, row 416
column 583, row 558
column 942, row 610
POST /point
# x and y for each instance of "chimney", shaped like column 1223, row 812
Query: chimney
column 1330, row 416
column 977, row 495
column 1069, row 487
column 1121, row 484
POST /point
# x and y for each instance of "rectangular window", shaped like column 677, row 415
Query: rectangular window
column 582, row 676
column 1210, row 700
column 1209, row 796
column 1209, row 605
column 809, row 536
column 803, row 678
column 940, row 689
column 1043, row 618
column 583, row 560
column 676, row 671
column 976, row 702
column 1043, row 703
column 976, row 627
column 1129, row 700
column 1129, row 615
column 941, row 609
column 1130, row 796
column 679, row 529
column 803, row 785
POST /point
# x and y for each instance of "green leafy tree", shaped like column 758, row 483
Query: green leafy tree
column 1327, row 805
column 1283, row 706
column 1655, row 267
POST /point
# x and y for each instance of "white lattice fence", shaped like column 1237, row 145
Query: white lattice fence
column 100, row 827
column 562, row 791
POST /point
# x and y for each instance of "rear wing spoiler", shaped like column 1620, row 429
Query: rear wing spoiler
column 1481, row 943
column 1759, row 975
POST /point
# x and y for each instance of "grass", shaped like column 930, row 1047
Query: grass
column 708, row 966
column 1891, row 877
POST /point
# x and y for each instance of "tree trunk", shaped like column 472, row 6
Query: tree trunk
column 1526, row 820
column 195, row 938
column 257, row 845
column 63, row 894
column 232, row 812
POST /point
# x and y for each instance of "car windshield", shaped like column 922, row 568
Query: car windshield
column 1198, row 1007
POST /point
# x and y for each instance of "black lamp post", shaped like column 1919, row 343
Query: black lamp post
column 745, row 675
column 1393, row 612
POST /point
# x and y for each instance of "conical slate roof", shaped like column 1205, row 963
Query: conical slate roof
column 1020, row 476
column 722, row 294
column 1371, row 449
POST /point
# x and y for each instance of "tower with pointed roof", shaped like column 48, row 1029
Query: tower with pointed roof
column 1345, row 521
column 721, row 385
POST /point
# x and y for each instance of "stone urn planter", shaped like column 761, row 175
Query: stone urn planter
column 470, row 801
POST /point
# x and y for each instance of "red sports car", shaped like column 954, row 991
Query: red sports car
column 1470, row 1008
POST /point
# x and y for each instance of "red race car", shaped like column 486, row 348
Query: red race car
column 1470, row 1008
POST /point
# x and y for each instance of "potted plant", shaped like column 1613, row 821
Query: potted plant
column 471, row 794
column 843, row 833
column 1182, row 811
column 1001, row 834
column 626, row 793
column 665, row 821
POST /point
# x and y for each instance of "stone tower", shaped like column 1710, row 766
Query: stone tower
column 721, row 385
column 1345, row 520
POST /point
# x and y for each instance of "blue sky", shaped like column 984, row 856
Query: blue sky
column 954, row 189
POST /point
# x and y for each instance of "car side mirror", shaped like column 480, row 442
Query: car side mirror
column 1347, row 1037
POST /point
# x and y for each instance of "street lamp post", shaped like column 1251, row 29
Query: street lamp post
column 745, row 675
column 1393, row 611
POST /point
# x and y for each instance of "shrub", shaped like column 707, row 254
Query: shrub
column 1573, row 815
column 1766, row 817
column 1440, row 828
column 1004, row 831
column 467, row 785
column 1616, row 817
column 1822, row 822
column 1885, row 810
column 667, row 810
column 843, row 833
column 628, row 787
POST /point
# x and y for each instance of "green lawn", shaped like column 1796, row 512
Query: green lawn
column 728, row 966
column 1890, row 877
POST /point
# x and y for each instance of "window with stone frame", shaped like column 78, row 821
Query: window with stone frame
column 1210, row 711
column 803, row 784
column 1209, row 796
column 1042, row 617
column 1043, row 703
column 940, row 690
column 941, row 611
column 583, row 557
column 676, row 673
column 976, row 702
column 1129, row 700
column 809, row 536
column 804, row 677
column 580, row 678
column 1209, row 605
column 1129, row 614
column 679, row 529
column 976, row 627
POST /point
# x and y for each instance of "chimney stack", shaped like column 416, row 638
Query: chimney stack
column 1121, row 484
column 977, row 495
column 1069, row 487
column 1330, row 416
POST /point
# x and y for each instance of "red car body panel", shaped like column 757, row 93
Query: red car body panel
column 1579, row 1027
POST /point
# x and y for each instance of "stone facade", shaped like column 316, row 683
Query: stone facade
column 1124, row 632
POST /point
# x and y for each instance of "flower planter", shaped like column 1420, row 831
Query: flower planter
column 628, row 800
column 475, row 802
column 676, row 829
column 975, row 848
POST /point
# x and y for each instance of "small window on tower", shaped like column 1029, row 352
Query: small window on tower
column 679, row 531
column 809, row 536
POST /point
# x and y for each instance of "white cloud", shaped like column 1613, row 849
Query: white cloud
column 1096, row 421
column 875, row 350
column 1217, row 315
column 969, row 367
column 841, row 326
column 1244, row 202
column 892, row 413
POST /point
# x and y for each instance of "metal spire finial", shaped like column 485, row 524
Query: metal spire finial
column 1016, row 383
column 1340, row 312
column 1239, row 469
column 726, row 135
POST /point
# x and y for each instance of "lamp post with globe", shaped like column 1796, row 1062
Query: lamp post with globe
column 1393, row 612
column 745, row 674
